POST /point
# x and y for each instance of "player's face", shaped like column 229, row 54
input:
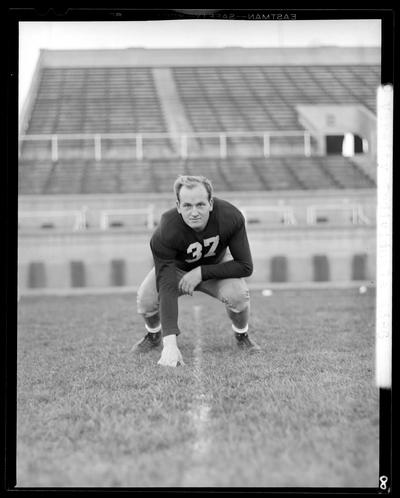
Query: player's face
column 194, row 206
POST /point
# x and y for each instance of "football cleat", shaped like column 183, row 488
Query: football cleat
column 148, row 342
column 244, row 342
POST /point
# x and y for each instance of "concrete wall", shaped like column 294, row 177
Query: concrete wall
column 97, row 249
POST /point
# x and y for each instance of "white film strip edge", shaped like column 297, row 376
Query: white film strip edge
column 383, row 360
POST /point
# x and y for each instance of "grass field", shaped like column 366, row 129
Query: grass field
column 302, row 413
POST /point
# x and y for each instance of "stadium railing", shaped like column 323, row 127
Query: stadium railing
column 147, row 217
column 281, row 214
column 76, row 218
column 183, row 139
column 106, row 215
column 355, row 212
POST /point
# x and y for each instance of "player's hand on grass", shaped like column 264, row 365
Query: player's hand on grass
column 190, row 281
column 170, row 355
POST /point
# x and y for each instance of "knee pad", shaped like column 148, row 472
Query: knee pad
column 147, row 303
column 237, row 298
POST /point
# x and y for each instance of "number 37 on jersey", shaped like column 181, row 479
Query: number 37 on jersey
column 196, row 249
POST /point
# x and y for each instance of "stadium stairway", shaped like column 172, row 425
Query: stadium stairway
column 170, row 102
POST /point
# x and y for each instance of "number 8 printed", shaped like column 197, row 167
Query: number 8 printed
column 383, row 482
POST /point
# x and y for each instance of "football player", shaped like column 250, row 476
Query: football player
column 200, row 245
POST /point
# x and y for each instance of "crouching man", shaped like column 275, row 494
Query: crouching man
column 200, row 245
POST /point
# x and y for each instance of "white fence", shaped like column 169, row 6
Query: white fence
column 147, row 213
column 147, row 218
column 74, row 219
column 280, row 214
column 183, row 139
column 354, row 212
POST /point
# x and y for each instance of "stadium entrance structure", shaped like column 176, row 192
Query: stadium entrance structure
column 105, row 133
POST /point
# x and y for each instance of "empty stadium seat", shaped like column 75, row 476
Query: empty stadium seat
column 264, row 97
column 94, row 100
column 157, row 175
column 101, row 100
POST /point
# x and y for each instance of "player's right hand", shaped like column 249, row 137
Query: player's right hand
column 170, row 355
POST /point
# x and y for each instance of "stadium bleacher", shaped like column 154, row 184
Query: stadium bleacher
column 110, row 100
column 257, row 126
column 96, row 100
column 157, row 175
column 263, row 98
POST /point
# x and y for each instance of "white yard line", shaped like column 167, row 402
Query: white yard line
column 199, row 413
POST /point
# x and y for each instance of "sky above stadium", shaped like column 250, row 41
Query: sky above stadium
column 187, row 33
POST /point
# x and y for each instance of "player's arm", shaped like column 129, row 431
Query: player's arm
column 242, row 263
column 167, row 286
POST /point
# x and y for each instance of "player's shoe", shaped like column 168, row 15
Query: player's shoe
column 245, row 343
column 149, row 341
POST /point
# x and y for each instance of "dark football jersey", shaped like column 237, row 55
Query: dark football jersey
column 175, row 245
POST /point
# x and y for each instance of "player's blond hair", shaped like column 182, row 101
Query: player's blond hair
column 191, row 182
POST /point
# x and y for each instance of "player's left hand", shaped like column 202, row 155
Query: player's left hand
column 190, row 281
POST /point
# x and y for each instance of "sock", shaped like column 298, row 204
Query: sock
column 240, row 331
column 239, row 319
column 154, row 330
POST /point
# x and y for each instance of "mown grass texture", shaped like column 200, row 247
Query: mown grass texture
column 302, row 413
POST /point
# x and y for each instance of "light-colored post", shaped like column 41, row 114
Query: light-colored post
column 362, row 218
column 288, row 216
column 150, row 217
column 307, row 144
column 310, row 215
column 267, row 144
column 103, row 220
column 184, row 145
column 285, row 217
column 54, row 148
column 383, row 350
column 139, row 146
column 83, row 217
column 97, row 147
column 78, row 221
column 354, row 215
column 222, row 145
